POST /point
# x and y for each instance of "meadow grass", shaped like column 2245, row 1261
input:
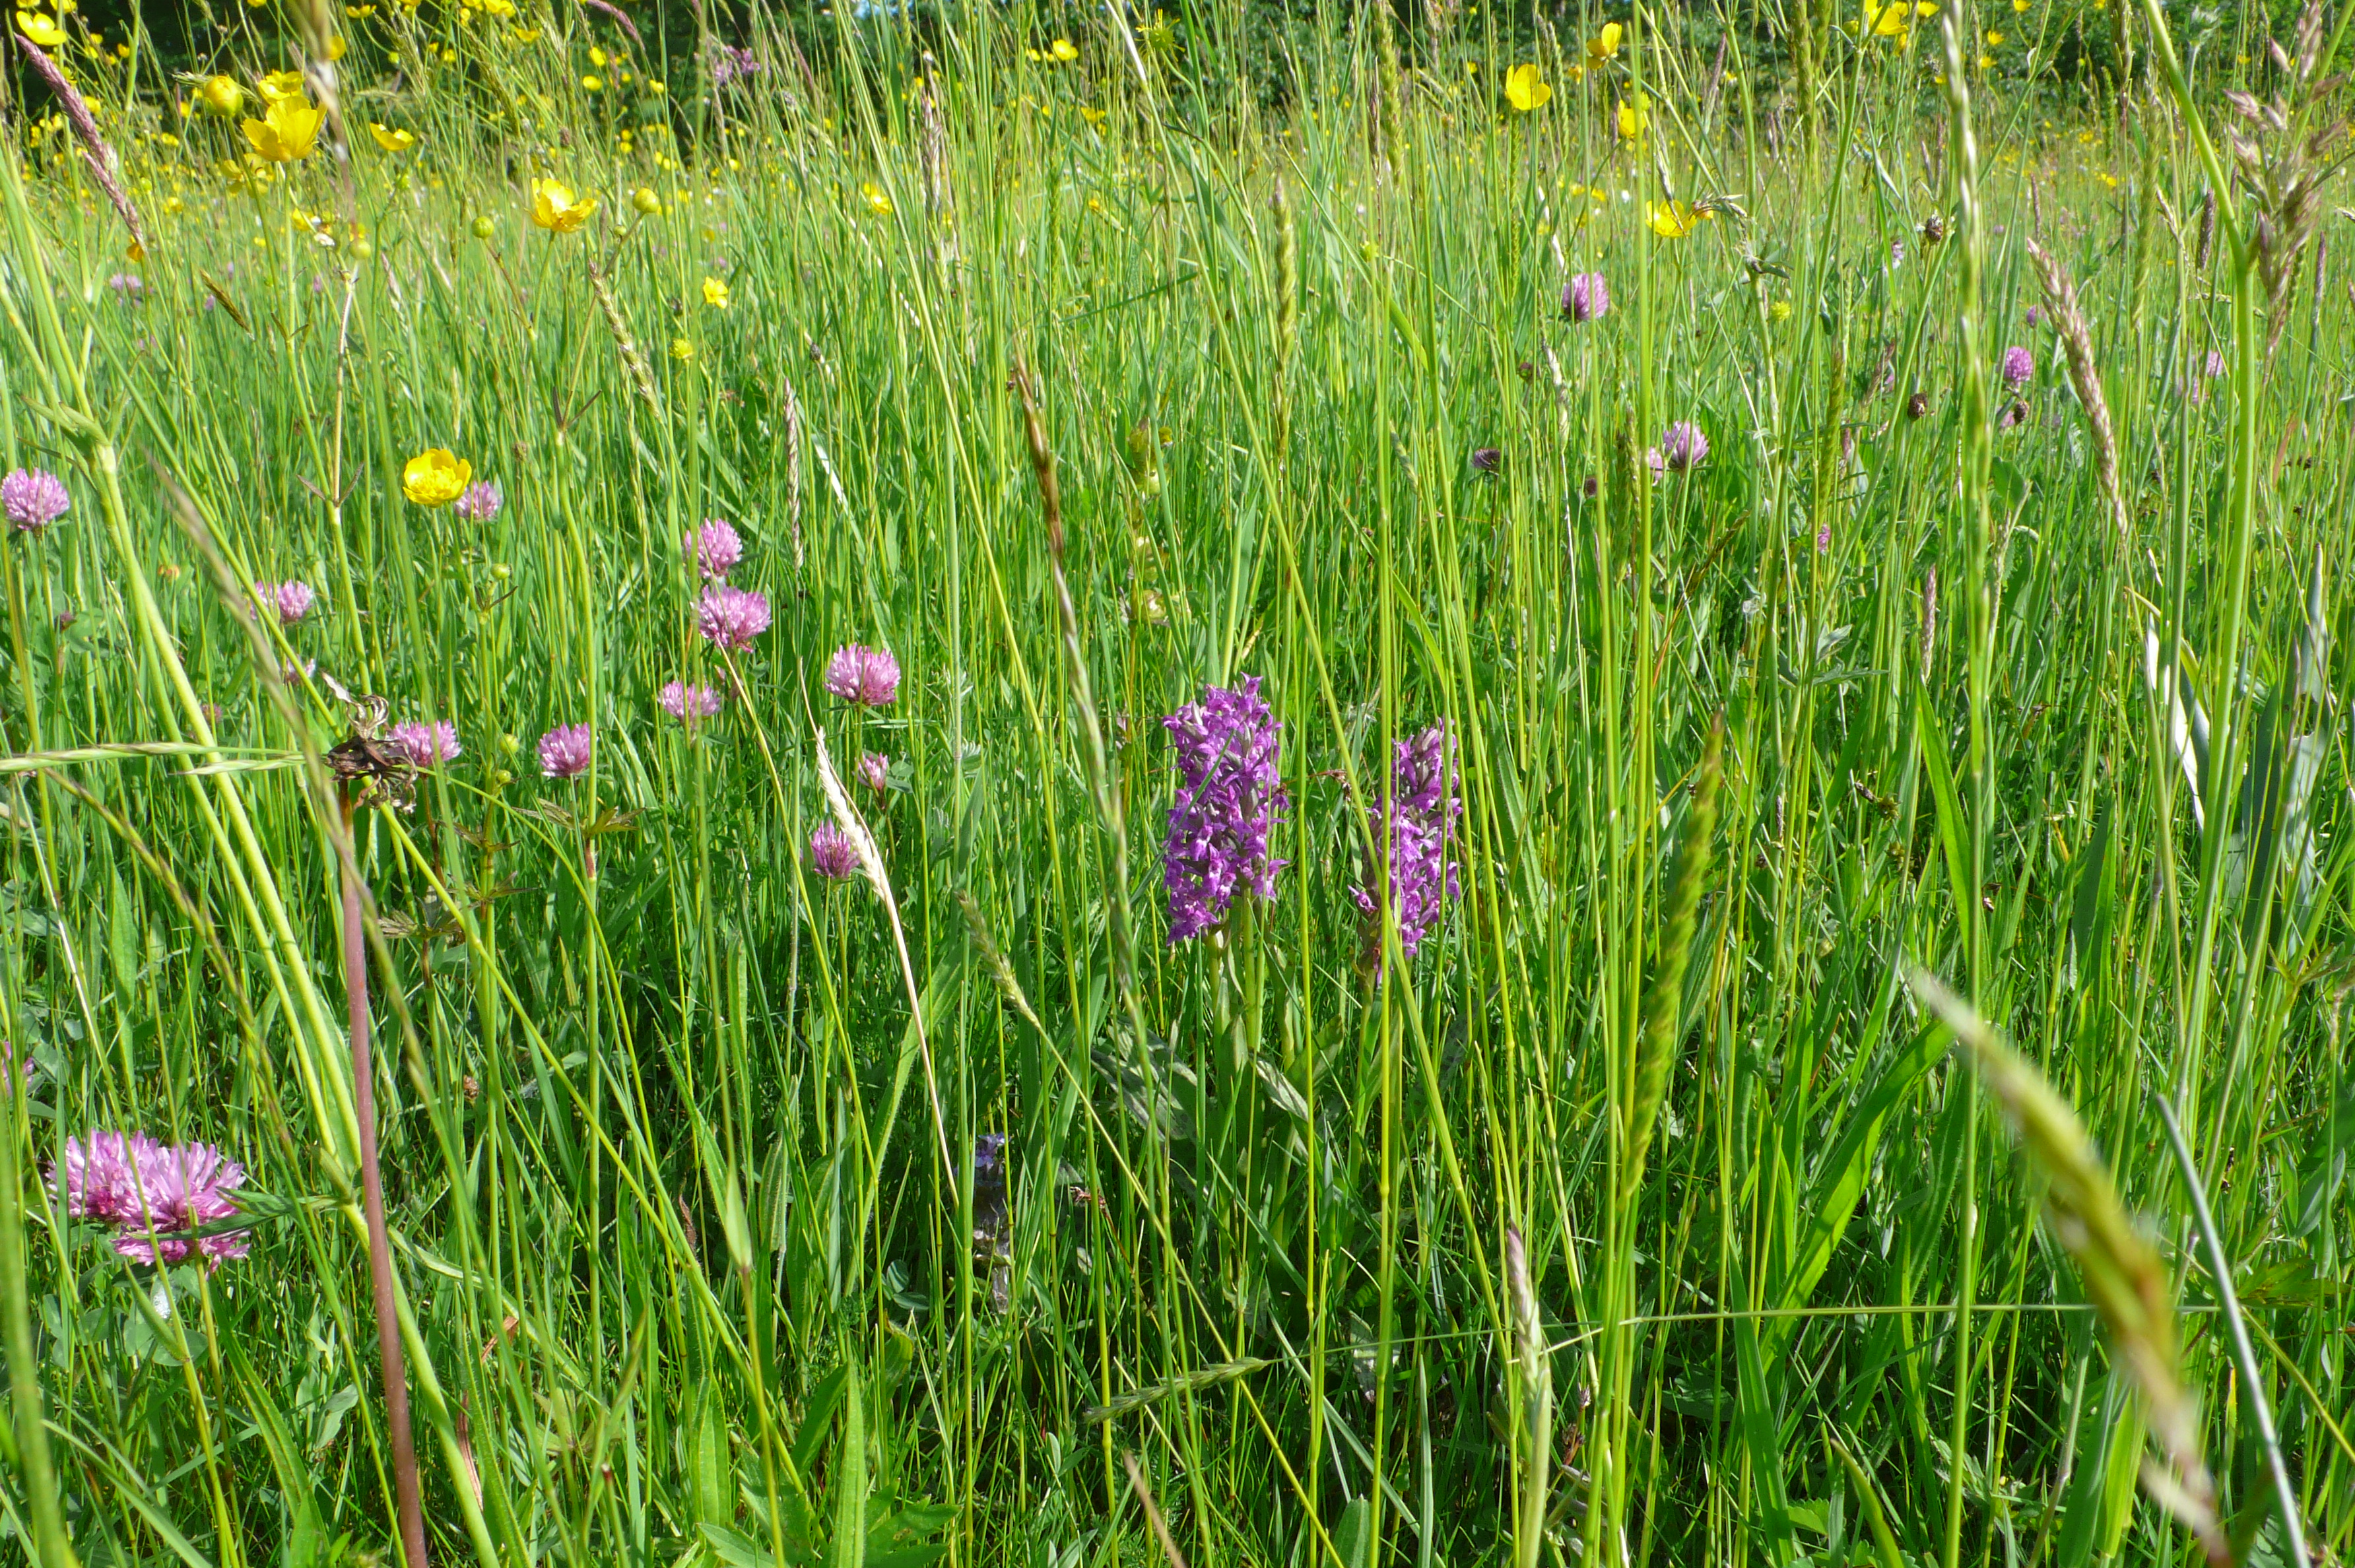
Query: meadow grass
column 1638, row 1212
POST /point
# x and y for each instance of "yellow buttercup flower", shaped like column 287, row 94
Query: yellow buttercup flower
column 1674, row 220
column 435, row 477
column 554, row 208
column 287, row 131
column 714, row 294
column 1525, row 91
column 1063, row 50
column 1604, row 45
column 392, row 141
column 1634, row 118
column 222, row 95
column 40, row 28
column 876, row 199
column 281, row 84
column 681, row 349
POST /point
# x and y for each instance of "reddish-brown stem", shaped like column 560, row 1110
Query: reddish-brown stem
column 387, row 1323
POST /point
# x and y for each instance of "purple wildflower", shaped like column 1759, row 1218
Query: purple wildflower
column 426, row 744
column 2214, row 367
column 151, row 1194
column 2036, row 315
column 869, row 677
column 129, row 287
column 1896, row 251
column 714, row 549
column 1424, row 805
column 875, row 772
column 1229, row 796
column 95, row 1178
column 34, row 498
column 689, row 704
column 478, row 502
column 989, row 1184
column 2019, row 365
column 833, row 855
column 1682, row 447
column 289, row 602
column 565, row 751
column 184, row 1187
column 1585, row 297
column 1487, row 459
column 732, row 617
column 730, row 65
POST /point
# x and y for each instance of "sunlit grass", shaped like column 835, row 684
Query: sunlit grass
column 774, row 1172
